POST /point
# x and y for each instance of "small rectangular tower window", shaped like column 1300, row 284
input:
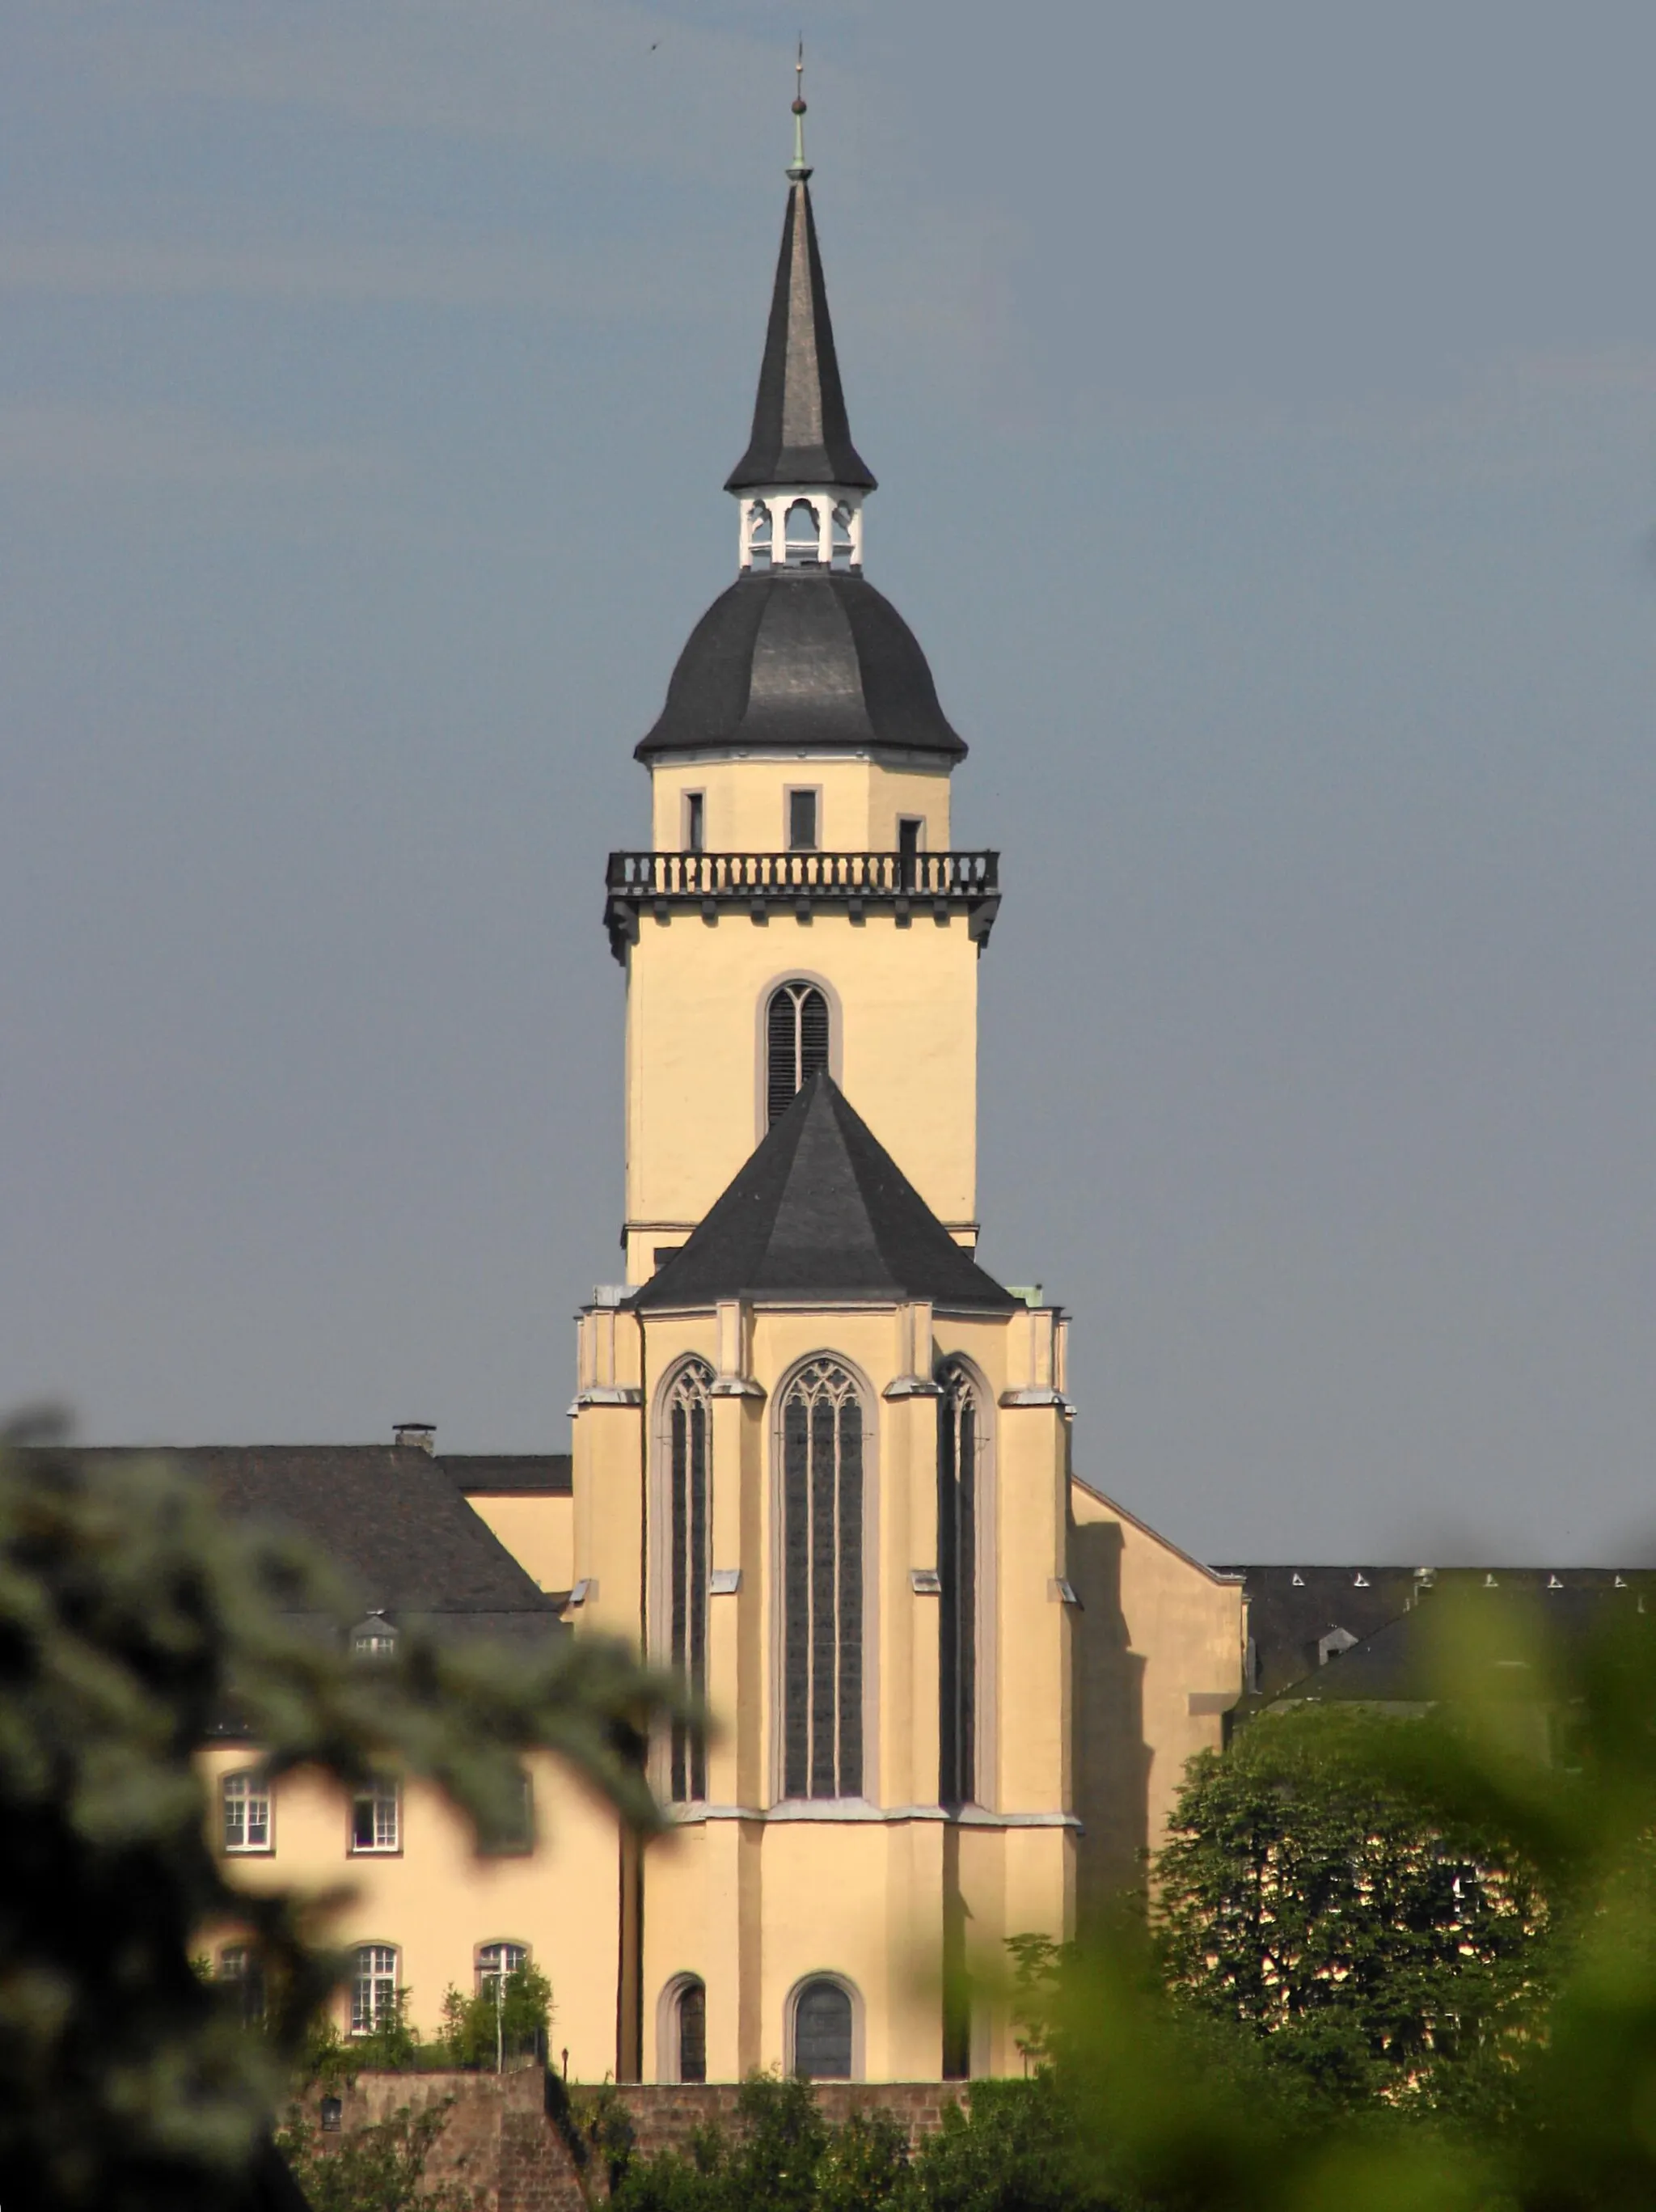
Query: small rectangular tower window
column 802, row 821
column 911, row 827
column 695, row 821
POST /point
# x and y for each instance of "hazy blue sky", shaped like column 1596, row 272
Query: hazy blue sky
column 1264, row 405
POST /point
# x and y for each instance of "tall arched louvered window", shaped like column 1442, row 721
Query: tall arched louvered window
column 796, row 1043
column 959, row 1447
column 822, row 1584
column 689, row 1466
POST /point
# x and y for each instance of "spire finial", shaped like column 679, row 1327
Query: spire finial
column 796, row 169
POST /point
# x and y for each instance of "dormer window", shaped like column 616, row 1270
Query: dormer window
column 373, row 1638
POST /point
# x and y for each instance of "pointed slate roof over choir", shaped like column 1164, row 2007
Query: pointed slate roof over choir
column 821, row 1207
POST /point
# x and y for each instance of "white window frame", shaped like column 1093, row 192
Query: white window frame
column 367, row 2016
column 387, row 1827
column 243, row 1796
column 486, row 1971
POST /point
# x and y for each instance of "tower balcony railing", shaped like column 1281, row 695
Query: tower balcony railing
column 762, row 883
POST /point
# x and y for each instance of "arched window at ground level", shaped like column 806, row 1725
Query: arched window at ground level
column 824, row 2030
column 682, row 2030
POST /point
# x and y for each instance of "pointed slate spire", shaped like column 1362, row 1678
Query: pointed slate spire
column 822, row 1208
column 800, row 434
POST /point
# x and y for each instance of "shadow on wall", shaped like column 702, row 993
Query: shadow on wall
column 1112, row 1758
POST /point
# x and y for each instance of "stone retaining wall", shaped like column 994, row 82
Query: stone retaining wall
column 503, row 2139
column 664, row 2114
column 499, row 2138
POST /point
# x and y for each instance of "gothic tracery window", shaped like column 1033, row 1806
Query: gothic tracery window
column 689, row 1455
column 822, row 1584
column 959, row 1448
column 796, row 1043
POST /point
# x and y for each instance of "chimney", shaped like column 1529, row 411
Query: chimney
column 415, row 1436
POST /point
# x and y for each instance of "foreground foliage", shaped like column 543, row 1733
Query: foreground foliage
column 1179, row 2107
column 132, row 1620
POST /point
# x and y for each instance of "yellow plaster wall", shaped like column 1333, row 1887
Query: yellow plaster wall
column 754, row 1909
column 438, row 1898
column 751, row 1904
column 906, row 1043
column 539, row 1532
column 1158, row 1657
column 746, row 806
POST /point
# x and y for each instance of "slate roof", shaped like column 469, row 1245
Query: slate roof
column 499, row 1475
column 1291, row 1609
column 801, row 660
column 801, row 434
column 822, row 1209
column 392, row 1520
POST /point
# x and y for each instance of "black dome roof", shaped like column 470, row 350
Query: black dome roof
column 794, row 660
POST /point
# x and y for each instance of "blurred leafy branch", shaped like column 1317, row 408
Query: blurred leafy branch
column 133, row 1619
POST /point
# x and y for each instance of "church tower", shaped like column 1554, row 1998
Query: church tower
column 800, row 905
column 821, row 1457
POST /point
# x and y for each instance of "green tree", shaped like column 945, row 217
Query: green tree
column 783, row 2155
column 132, row 1618
column 490, row 2024
column 1378, row 1948
column 1013, row 2149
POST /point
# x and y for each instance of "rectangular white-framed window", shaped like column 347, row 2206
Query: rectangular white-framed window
column 804, row 805
column 377, row 1817
column 695, row 821
column 373, row 1988
column 244, row 1809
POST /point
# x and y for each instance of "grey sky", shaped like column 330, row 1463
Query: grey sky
column 1265, row 405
